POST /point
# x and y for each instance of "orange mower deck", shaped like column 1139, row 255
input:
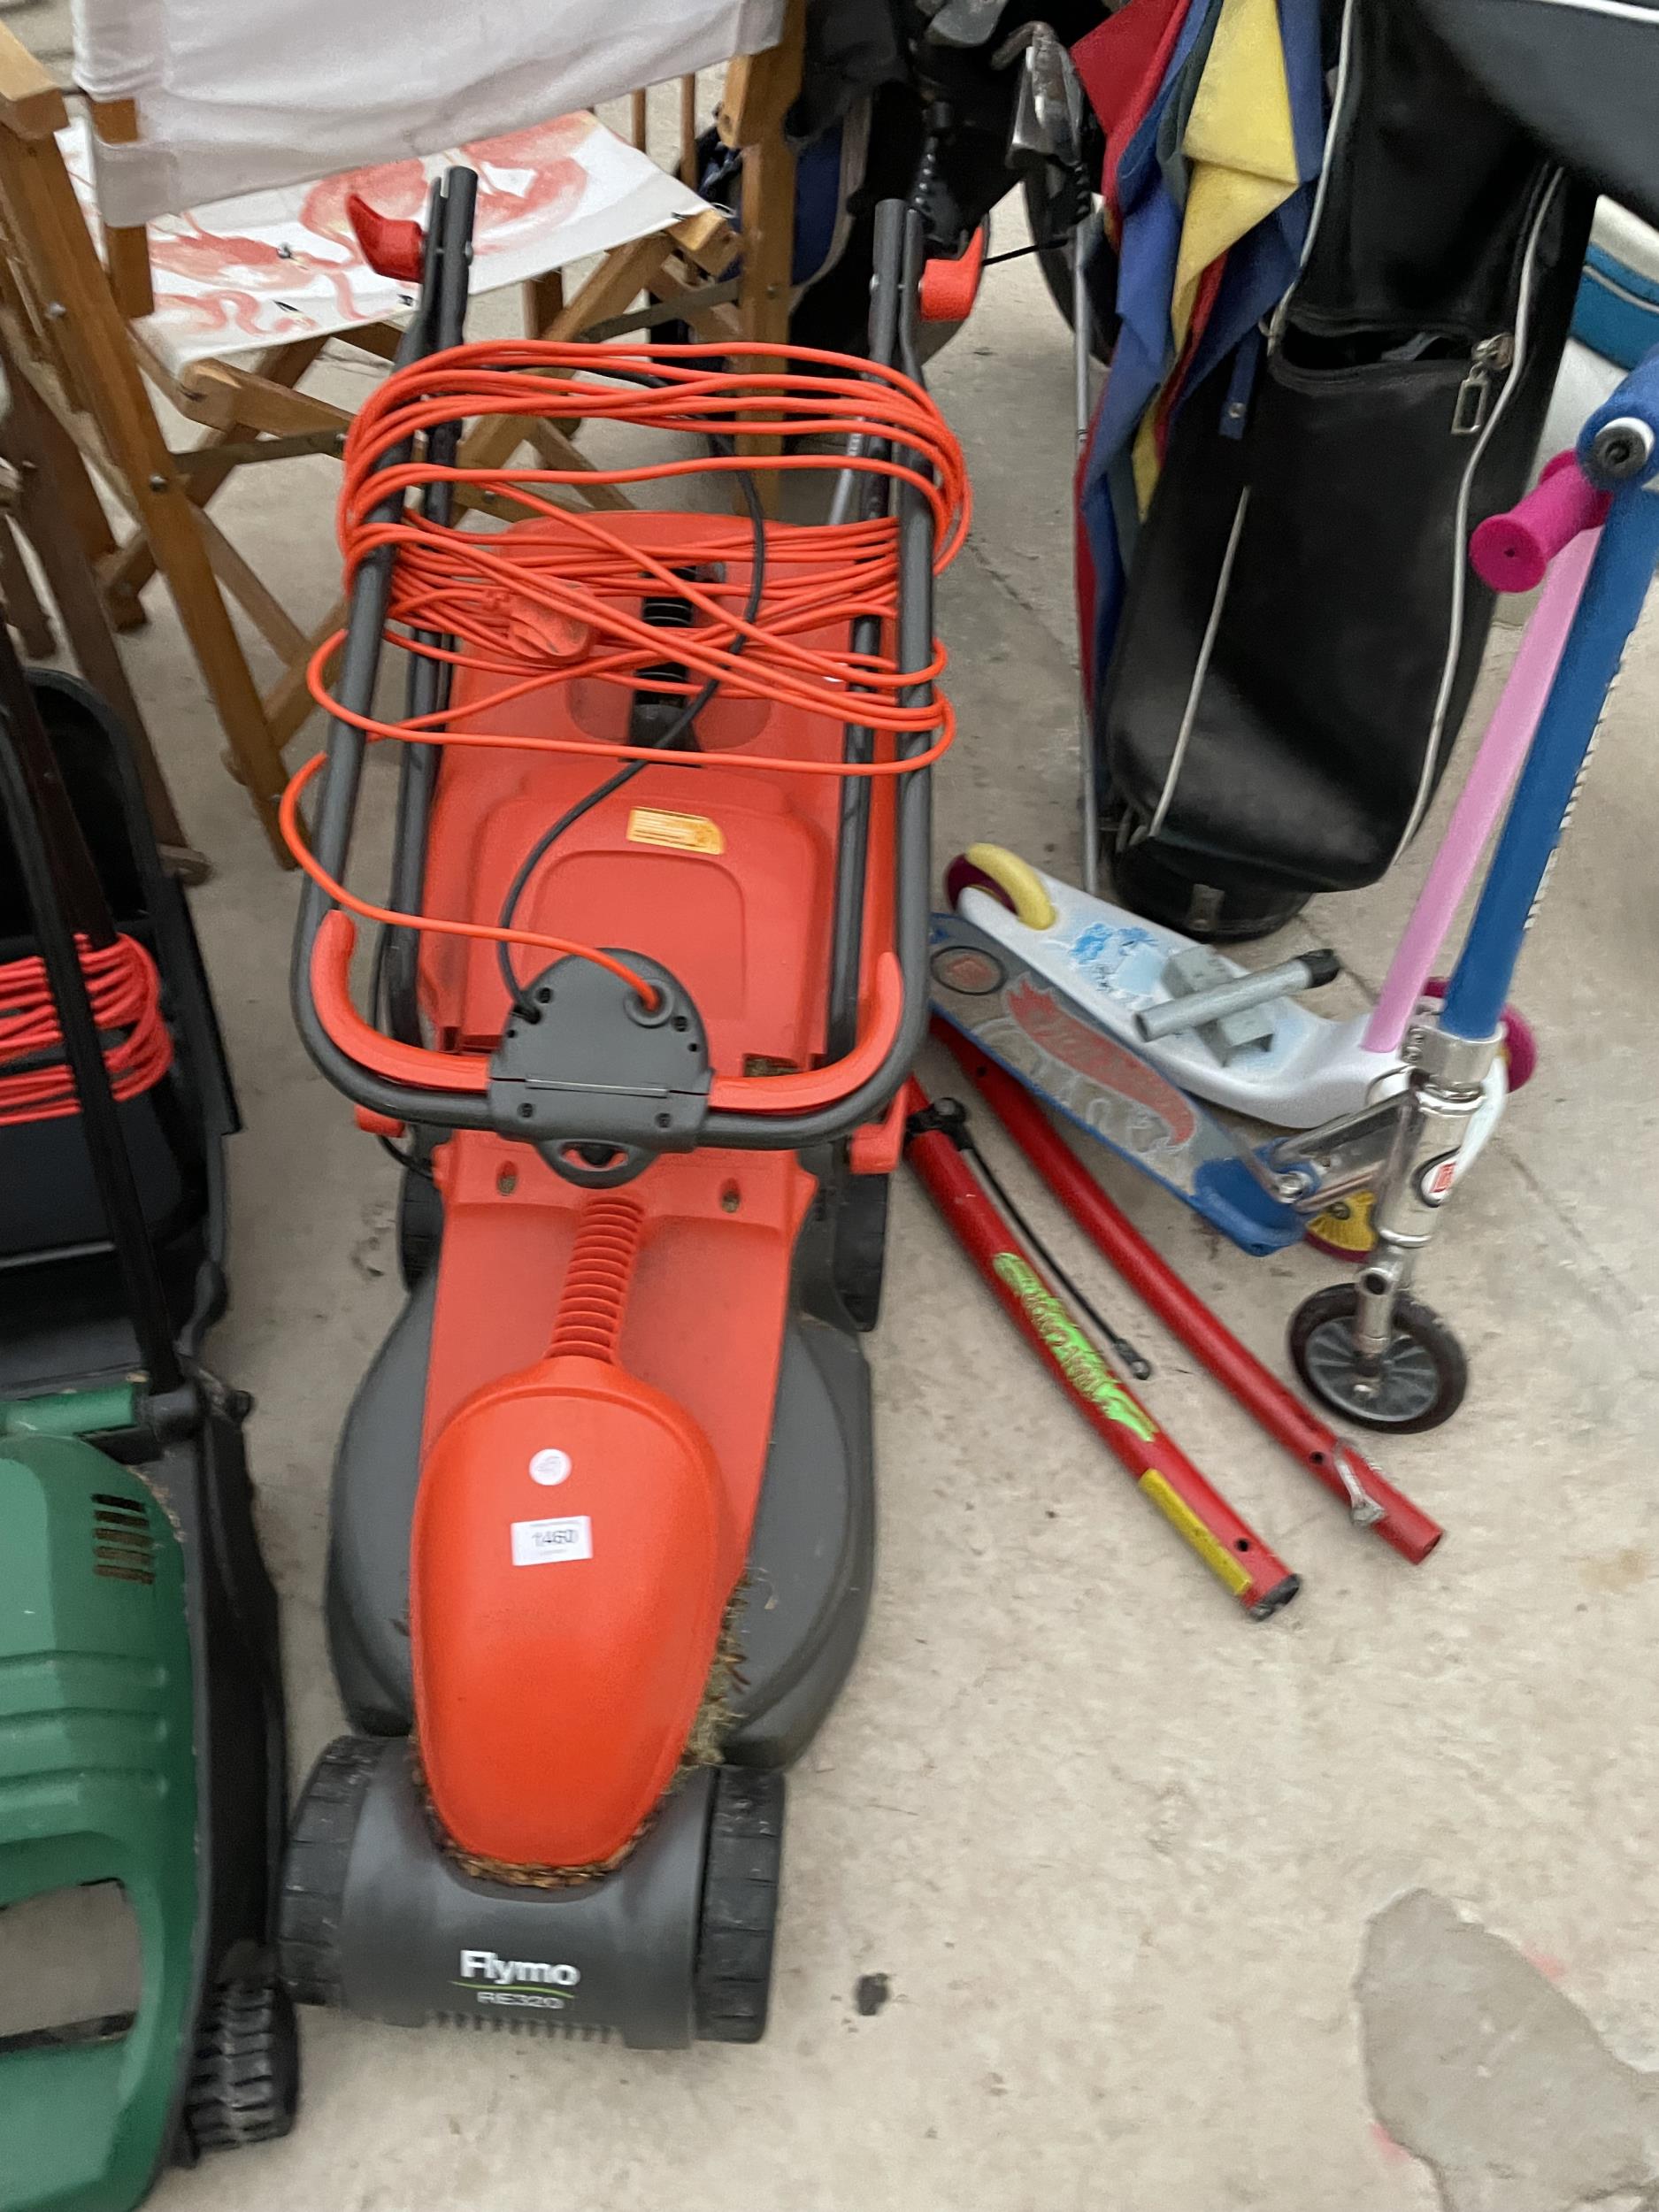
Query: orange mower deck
column 603, row 1512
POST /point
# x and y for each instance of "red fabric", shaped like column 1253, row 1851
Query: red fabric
column 1121, row 64
column 1175, row 386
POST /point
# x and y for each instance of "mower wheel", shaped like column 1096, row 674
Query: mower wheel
column 314, row 1870
column 245, row 2083
column 860, row 1247
column 420, row 1226
column 740, row 1905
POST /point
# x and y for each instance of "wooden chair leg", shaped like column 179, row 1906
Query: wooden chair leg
column 689, row 132
column 543, row 303
column 760, row 89
column 130, row 568
column 289, row 705
column 70, row 580
column 66, row 471
column 41, row 200
column 183, row 559
column 173, row 525
column 19, row 599
column 768, row 231
column 624, row 271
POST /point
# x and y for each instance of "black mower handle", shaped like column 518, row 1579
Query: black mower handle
column 438, row 321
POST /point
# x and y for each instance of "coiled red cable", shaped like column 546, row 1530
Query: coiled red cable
column 125, row 988
column 562, row 598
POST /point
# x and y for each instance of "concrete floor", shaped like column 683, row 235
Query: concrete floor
column 1168, row 1904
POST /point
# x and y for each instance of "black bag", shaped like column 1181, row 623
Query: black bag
column 1302, row 630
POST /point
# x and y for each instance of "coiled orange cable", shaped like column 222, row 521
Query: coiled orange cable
column 561, row 599
column 126, row 993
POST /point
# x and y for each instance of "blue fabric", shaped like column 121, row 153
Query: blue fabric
column 1304, row 79
column 1260, row 269
column 1178, row 108
column 819, row 192
column 1144, row 352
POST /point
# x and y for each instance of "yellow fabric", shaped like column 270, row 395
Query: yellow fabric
column 1241, row 151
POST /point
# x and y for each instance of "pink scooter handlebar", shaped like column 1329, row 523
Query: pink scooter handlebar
column 1511, row 551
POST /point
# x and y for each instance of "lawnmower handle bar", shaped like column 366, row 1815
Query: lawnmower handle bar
column 63, row 896
column 898, row 259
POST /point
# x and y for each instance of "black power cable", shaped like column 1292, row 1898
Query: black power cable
column 671, row 739
column 950, row 1117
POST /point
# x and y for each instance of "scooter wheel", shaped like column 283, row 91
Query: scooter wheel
column 1520, row 1040
column 245, row 2082
column 1422, row 1378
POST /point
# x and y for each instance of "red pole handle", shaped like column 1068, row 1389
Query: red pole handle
column 1326, row 1455
column 1511, row 551
column 391, row 247
column 1235, row 1553
column 949, row 289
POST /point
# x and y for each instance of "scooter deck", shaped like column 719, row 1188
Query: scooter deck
column 1052, row 1042
column 1309, row 1069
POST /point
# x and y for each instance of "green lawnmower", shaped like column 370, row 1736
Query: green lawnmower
column 141, row 1754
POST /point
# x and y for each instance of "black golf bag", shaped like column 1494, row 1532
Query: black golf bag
column 1301, row 630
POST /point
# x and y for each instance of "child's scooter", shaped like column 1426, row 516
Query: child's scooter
column 1369, row 1347
column 1112, row 987
column 1241, row 1039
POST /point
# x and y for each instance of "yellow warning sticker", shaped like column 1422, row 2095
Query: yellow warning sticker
column 1214, row 1554
column 685, row 833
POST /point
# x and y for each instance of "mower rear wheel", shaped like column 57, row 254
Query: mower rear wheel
column 860, row 1250
column 245, row 2083
column 740, row 1905
column 314, row 1870
column 420, row 1226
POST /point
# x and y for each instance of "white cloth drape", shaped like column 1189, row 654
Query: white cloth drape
column 237, row 96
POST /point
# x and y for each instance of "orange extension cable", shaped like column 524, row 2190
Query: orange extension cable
column 126, row 993
column 559, row 599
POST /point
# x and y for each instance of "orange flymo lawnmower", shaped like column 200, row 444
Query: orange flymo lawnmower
column 650, row 977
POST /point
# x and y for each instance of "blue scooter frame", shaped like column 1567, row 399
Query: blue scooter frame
column 1368, row 1348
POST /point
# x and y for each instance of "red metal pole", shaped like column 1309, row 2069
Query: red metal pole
column 1228, row 1546
column 1325, row 1455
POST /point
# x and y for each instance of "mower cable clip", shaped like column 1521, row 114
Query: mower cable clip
column 945, row 1117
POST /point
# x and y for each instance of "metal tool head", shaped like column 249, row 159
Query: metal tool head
column 961, row 22
column 1048, row 123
